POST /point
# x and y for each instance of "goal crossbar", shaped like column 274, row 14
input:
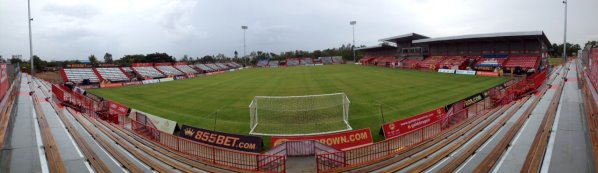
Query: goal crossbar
column 299, row 115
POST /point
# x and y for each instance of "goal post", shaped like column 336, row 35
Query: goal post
column 299, row 115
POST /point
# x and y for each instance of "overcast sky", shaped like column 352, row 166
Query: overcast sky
column 75, row 29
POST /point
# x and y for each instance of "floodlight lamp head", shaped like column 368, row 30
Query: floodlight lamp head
column 243, row 27
column 353, row 22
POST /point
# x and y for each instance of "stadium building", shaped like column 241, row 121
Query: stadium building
column 515, row 52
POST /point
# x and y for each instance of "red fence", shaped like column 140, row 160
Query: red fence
column 334, row 161
column 225, row 158
column 210, row 154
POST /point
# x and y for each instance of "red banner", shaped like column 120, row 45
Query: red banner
column 485, row 73
column 403, row 126
column 163, row 64
column 4, row 83
column 110, row 85
column 115, row 108
column 341, row 140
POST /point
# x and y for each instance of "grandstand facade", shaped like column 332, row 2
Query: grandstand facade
column 509, row 52
column 81, row 74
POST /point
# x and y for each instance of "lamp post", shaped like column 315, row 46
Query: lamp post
column 244, row 45
column 30, row 42
column 565, row 35
column 353, row 25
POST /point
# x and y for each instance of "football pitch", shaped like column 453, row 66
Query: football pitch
column 221, row 102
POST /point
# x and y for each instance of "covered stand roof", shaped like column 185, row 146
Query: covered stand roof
column 487, row 37
column 377, row 47
column 405, row 38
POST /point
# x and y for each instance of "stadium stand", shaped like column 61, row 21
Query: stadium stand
column 491, row 62
column 233, row 65
column 384, row 61
column 263, row 63
column 222, row 66
column 273, row 63
column 237, row 64
column 204, row 68
column 431, row 62
column 128, row 71
column 337, row 60
column 367, row 59
column 169, row 70
column 326, row 60
column 112, row 74
column 410, row 63
column 77, row 75
column 453, row 62
column 307, row 61
column 214, row 66
column 148, row 71
column 522, row 61
column 186, row 69
column 293, row 62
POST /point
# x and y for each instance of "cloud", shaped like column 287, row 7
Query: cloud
column 73, row 29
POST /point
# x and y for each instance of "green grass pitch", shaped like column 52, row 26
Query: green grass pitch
column 372, row 90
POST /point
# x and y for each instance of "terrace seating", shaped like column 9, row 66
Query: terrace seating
column 491, row 62
column 326, row 60
column 204, row 68
column 112, row 74
column 453, row 62
column 337, row 60
column 383, row 60
column 522, row 61
column 307, row 61
column 262, row 63
column 410, row 63
column 77, row 75
column 273, row 63
column 367, row 59
column 169, row 70
column 293, row 62
column 214, row 66
column 186, row 69
column 233, row 65
column 237, row 64
column 222, row 66
column 431, row 61
column 148, row 71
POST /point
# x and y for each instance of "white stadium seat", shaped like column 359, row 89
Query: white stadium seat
column 113, row 74
column 77, row 75
column 186, row 69
column 148, row 71
column 169, row 70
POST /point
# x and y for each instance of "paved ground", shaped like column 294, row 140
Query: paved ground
column 514, row 157
column 569, row 148
column 301, row 164
column 22, row 150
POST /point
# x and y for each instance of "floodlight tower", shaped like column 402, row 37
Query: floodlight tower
column 244, row 45
column 30, row 42
column 565, row 35
column 353, row 25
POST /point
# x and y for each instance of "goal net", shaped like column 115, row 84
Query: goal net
column 299, row 115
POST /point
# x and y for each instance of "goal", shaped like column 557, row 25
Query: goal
column 299, row 115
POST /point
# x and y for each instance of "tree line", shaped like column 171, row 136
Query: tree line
column 344, row 50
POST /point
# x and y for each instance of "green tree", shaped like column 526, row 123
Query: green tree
column 593, row 43
column 557, row 49
column 108, row 58
column 93, row 59
column 185, row 58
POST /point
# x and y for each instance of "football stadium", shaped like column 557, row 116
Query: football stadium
column 476, row 102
